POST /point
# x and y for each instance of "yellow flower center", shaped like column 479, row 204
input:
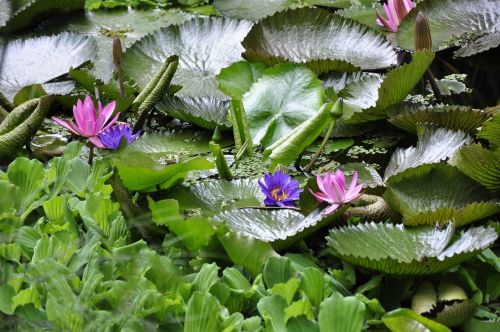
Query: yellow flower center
column 278, row 197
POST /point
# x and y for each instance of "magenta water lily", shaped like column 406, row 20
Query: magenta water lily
column 333, row 190
column 280, row 189
column 112, row 137
column 89, row 121
column 395, row 10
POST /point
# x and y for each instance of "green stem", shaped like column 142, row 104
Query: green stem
column 91, row 154
column 321, row 147
column 434, row 86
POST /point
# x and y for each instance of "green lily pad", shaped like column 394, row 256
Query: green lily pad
column 284, row 96
column 46, row 57
column 491, row 131
column 479, row 45
column 237, row 79
column 206, row 112
column 215, row 196
column 104, row 25
column 253, row 10
column 434, row 145
column 322, row 40
column 454, row 117
column 18, row 14
column 450, row 18
column 436, row 193
column 280, row 227
column 396, row 250
column 160, row 160
column 481, row 164
column 368, row 98
column 204, row 47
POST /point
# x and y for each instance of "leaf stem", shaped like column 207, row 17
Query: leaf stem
column 91, row 154
column 321, row 147
column 434, row 86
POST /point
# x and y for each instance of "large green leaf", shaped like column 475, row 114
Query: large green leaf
column 396, row 250
column 281, row 227
column 41, row 59
column 206, row 112
column 284, row 96
column 320, row 39
column 204, row 47
column 289, row 147
column 368, row 98
column 491, row 131
column 338, row 313
column 481, row 164
column 201, row 313
column 433, row 146
column 236, row 79
column 22, row 13
column 216, row 195
column 253, row 9
column 450, row 18
column 436, row 193
column 455, row 117
column 104, row 25
column 160, row 159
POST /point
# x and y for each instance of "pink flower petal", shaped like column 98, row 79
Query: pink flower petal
column 408, row 5
column 96, row 141
column 321, row 197
column 354, row 180
column 79, row 114
column 65, row 125
column 104, row 115
column 112, row 122
column 393, row 11
column 89, row 110
column 354, row 193
column 329, row 187
column 330, row 209
column 320, row 181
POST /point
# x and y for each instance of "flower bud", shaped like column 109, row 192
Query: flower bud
column 337, row 109
column 423, row 39
column 117, row 52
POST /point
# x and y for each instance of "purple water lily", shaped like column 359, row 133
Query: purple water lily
column 280, row 189
column 112, row 136
column 333, row 190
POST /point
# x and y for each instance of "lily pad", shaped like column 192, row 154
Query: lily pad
column 450, row 18
column 481, row 164
column 18, row 14
column 206, row 112
column 41, row 59
column 454, row 117
column 491, row 131
column 322, row 40
column 436, row 193
column 253, row 10
column 434, row 145
column 204, row 47
column 396, row 250
column 284, row 96
column 479, row 45
column 162, row 160
column 281, row 227
column 237, row 79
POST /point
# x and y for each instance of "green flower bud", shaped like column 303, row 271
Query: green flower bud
column 423, row 39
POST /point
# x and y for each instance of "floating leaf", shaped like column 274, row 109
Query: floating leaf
column 284, row 96
column 433, row 146
column 481, row 164
column 253, row 10
column 367, row 99
column 236, row 79
column 436, row 193
column 160, row 159
column 320, row 39
column 25, row 12
column 491, row 131
column 41, row 59
column 204, row 47
column 206, row 112
column 454, row 117
column 450, row 18
column 281, row 227
column 396, row 250
column 479, row 45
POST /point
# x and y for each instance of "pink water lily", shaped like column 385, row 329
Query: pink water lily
column 334, row 192
column 395, row 10
column 89, row 121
